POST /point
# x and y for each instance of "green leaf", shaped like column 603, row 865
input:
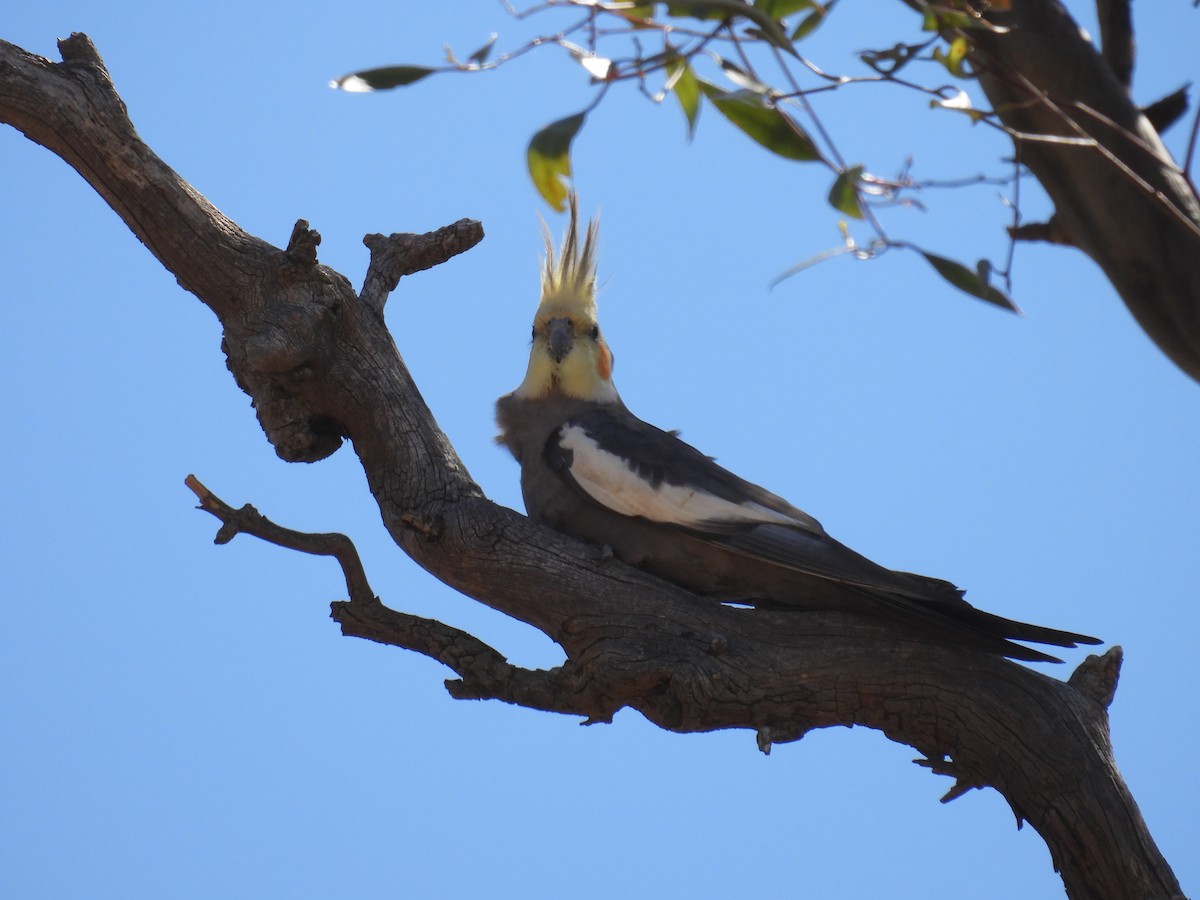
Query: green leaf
column 479, row 57
column 682, row 81
column 741, row 77
column 765, row 123
column 970, row 282
column 727, row 9
column 779, row 9
column 700, row 10
column 549, row 158
column 891, row 61
column 938, row 17
column 945, row 17
column 954, row 56
column 843, row 196
column 812, row 21
column 641, row 11
column 381, row 79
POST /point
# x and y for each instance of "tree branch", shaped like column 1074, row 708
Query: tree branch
column 1116, row 37
column 1117, row 193
column 319, row 364
column 397, row 255
column 483, row 672
column 248, row 520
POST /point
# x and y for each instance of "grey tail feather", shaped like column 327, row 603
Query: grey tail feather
column 996, row 634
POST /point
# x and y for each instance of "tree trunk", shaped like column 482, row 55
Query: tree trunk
column 320, row 365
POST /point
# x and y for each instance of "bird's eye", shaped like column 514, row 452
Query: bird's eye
column 534, row 335
column 594, row 332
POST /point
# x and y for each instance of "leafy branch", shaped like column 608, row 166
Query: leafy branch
column 743, row 59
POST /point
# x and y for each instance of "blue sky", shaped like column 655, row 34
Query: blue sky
column 184, row 720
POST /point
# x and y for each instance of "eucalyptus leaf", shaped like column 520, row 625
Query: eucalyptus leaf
column 741, row 77
column 954, row 56
column 891, row 61
column 778, row 9
column 704, row 10
column 381, row 79
column 843, row 196
column 549, row 158
column 637, row 13
column 969, row 282
column 479, row 57
column 763, row 122
column 682, row 82
column 812, row 21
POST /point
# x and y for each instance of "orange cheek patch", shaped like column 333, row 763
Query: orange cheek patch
column 604, row 362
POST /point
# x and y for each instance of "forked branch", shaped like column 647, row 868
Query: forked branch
column 484, row 673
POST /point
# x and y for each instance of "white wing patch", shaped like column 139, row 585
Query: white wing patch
column 610, row 480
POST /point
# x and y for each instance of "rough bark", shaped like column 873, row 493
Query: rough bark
column 320, row 365
column 1118, row 195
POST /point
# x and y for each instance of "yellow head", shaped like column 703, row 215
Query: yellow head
column 569, row 357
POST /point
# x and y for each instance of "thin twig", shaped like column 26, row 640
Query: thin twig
column 248, row 520
column 802, row 98
column 1016, row 221
column 1084, row 138
column 483, row 671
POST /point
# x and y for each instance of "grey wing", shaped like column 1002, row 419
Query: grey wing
column 635, row 469
column 823, row 557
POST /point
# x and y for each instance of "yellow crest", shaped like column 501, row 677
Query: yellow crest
column 569, row 279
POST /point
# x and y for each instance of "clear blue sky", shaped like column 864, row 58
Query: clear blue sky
column 184, row 720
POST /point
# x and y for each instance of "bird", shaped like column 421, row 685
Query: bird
column 593, row 470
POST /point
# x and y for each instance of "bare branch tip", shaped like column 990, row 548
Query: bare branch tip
column 227, row 532
column 78, row 48
column 1051, row 232
column 196, row 487
column 303, row 243
column 209, row 502
column 394, row 256
column 960, row 788
column 1097, row 676
column 944, row 765
column 763, row 739
column 459, row 689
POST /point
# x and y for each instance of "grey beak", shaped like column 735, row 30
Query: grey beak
column 560, row 337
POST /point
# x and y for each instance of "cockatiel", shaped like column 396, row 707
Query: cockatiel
column 593, row 470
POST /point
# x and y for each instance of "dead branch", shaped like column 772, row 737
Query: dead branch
column 484, row 674
column 397, row 255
